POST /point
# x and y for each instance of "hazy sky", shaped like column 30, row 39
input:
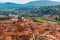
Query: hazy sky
column 24, row 1
column 56, row 0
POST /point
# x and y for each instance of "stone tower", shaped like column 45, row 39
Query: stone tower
column 19, row 19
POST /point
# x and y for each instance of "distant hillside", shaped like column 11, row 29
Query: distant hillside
column 42, row 3
column 8, row 5
column 33, row 4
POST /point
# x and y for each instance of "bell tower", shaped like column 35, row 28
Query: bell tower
column 19, row 17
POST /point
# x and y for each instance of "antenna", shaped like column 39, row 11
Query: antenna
column 19, row 13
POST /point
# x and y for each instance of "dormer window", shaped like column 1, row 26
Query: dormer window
column 46, row 29
column 14, row 23
column 58, row 30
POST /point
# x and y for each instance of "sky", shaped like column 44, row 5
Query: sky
column 24, row 1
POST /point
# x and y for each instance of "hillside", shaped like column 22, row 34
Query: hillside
column 42, row 3
column 33, row 4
